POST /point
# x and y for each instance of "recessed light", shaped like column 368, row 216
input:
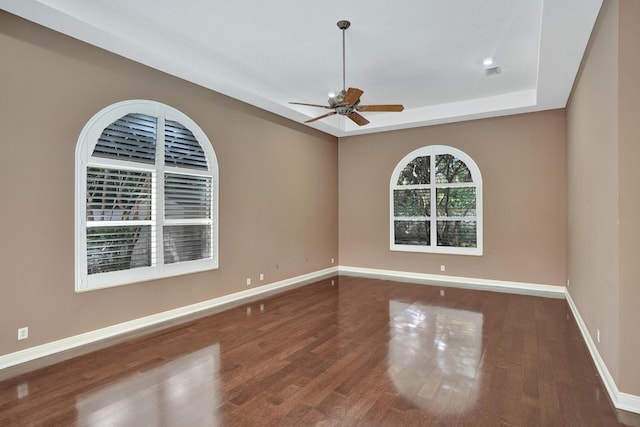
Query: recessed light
column 487, row 61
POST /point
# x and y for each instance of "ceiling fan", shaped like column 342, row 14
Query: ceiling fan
column 347, row 101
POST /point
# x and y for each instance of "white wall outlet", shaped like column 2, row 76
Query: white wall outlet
column 442, row 267
column 248, row 281
column 23, row 333
column 333, row 260
column 567, row 283
column 261, row 276
column 441, row 292
column 598, row 335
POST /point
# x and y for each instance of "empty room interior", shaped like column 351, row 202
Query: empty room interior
column 192, row 234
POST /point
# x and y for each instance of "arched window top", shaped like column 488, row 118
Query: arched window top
column 129, row 130
column 132, row 138
column 181, row 148
column 436, row 202
column 146, row 196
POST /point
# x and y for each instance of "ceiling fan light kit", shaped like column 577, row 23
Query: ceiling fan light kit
column 347, row 101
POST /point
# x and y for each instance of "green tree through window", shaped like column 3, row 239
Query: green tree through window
column 435, row 202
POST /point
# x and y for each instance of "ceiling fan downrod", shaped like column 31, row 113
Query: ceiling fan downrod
column 343, row 25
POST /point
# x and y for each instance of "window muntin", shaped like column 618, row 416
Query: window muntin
column 436, row 202
column 146, row 196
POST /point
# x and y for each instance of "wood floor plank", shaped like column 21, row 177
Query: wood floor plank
column 343, row 351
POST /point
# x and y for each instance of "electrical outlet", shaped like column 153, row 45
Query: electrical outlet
column 333, row 260
column 567, row 283
column 23, row 333
column 441, row 292
column 261, row 276
column 442, row 267
column 248, row 281
column 598, row 335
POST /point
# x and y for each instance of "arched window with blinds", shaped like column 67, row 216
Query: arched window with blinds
column 436, row 202
column 146, row 196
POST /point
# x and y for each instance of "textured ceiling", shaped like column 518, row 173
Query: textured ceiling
column 425, row 54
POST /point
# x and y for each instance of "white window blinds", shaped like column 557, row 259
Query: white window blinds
column 148, row 207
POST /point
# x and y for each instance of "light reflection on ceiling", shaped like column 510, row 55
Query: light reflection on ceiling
column 434, row 354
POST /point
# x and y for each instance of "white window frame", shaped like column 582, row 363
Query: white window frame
column 432, row 151
column 86, row 143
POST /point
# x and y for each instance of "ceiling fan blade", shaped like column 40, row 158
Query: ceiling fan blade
column 321, row 117
column 310, row 105
column 389, row 107
column 352, row 96
column 358, row 119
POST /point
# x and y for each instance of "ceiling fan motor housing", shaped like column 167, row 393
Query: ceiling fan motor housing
column 337, row 99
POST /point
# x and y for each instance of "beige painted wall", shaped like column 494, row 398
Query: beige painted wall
column 603, row 122
column 278, row 187
column 522, row 159
column 629, row 188
column 592, row 168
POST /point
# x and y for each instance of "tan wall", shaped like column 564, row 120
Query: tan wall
column 278, row 187
column 522, row 160
column 629, row 188
column 592, row 135
column 603, row 134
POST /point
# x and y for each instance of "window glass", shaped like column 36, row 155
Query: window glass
column 417, row 171
column 447, row 180
column 456, row 202
column 412, row 202
column 412, row 232
column 451, row 169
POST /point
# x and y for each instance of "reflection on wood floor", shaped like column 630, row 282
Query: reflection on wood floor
column 342, row 351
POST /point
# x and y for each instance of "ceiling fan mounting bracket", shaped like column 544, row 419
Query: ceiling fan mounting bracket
column 344, row 24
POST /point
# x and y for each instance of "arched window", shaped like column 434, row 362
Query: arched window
column 436, row 202
column 146, row 196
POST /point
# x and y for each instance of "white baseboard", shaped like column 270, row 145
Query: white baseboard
column 552, row 291
column 39, row 351
column 624, row 401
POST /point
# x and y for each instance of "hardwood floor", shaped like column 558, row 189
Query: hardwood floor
column 342, row 351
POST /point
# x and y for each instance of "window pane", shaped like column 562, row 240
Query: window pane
column 459, row 234
column 187, row 196
column 181, row 148
column 118, row 248
column 411, row 202
column 417, row 171
column 131, row 138
column 451, row 169
column 456, row 202
column 118, row 195
column 412, row 233
column 186, row 243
